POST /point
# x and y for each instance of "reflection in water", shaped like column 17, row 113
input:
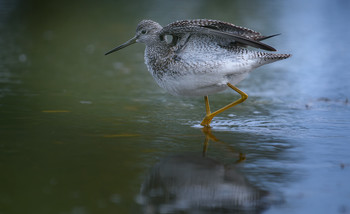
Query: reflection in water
column 209, row 136
column 195, row 183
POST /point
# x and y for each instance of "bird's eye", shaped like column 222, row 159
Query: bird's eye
column 143, row 31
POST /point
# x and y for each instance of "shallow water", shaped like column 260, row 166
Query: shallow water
column 81, row 132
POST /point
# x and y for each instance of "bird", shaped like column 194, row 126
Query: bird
column 201, row 57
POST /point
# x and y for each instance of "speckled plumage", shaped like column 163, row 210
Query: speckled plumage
column 199, row 60
column 203, row 57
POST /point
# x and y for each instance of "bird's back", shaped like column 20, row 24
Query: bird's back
column 206, row 50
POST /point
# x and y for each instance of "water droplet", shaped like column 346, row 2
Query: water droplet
column 22, row 58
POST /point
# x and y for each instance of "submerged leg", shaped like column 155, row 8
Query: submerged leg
column 209, row 136
column 209, row 116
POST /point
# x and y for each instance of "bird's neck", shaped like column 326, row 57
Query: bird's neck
column 156, row 52
column 157, row 49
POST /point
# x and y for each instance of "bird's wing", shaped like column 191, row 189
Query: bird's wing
column 225, row 30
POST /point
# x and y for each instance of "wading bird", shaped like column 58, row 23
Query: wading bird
column 203, row 57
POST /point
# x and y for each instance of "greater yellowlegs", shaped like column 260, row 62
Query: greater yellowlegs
column 203, row 57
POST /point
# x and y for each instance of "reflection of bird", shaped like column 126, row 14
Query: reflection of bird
column 199, row 185
column 204, row 57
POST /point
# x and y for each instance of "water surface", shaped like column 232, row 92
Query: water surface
column 81, row 132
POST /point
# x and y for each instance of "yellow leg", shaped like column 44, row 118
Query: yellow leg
column 207, row 107
column 209, row 116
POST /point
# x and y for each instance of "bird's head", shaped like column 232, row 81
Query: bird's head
column 146, row 32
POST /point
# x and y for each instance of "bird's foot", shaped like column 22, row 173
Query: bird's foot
column 206, row 121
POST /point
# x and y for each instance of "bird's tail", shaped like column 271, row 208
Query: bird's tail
column 265, row 58
column 267, row 37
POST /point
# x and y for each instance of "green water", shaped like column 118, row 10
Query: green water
column 81, row 132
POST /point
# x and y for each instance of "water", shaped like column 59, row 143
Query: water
column 81, row 132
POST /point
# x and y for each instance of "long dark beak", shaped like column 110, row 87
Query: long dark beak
column 130, row 42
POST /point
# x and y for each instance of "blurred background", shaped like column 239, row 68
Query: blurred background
column 85, row 133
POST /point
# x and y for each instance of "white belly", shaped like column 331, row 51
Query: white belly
column 199, row 84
